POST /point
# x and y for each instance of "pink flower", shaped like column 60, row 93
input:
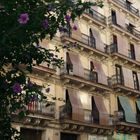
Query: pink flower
column 23, row 19
column 75, row 27
column 17, row 88
column 45, row 24
column 68, row 18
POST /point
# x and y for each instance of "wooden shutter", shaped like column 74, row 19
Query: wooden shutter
column 128, row 78
column 103, row 114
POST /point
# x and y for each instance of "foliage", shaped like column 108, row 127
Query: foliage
column 23, row 25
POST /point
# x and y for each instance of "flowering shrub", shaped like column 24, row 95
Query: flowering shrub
column 23, row 19
column 23, row 25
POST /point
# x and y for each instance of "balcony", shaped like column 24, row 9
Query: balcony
column 112, row 50
column 126, row 7
column 85, row 43
column 44, row 70
column 117, row 83
column 122, row 126
column 88, row 80
column 40, row 114
column 88, row 125
column 37, row 107
column 95, row 17
column 128, row 30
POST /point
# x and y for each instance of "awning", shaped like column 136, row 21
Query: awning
column 128, row 80
column 102, row 77
column 138, row 74
column 103, row 114
column 131, row 1
column 138, row 104
column 77, row 66
column 120, row 18
column 122, row 45
column 121, row 136
column 130, row 116
column 99, row 43
column 68, row 60
column 137, row 50
column 77, row 110
column 85, row 100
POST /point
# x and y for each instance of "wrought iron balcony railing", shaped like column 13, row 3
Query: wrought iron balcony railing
column 66, row 113
column 88, row 75
column 90, row 41
column 132, row 31
column 40, row 107
column 127, row 27
column 96, row 15
column 116, row 80
column 91, row 75
column 84, row 39
column 128, row 7
column 111, row 48
column 90, row 116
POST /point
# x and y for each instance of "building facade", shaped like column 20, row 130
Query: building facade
column 98, row 88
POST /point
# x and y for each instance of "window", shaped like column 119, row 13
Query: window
column 119, row 75
column 87, row 116
column 131, row 52
column 92, row 67
column 68, row 136
column 31, row 134
column 130, row 28
column 120, row 109
column 92, row 41
column 68, row 106
column 95, row 112
column 69, row 65
column 135, row 78
column 93, row 73
column 128, row 5
column 114, row 47
column 114, row 18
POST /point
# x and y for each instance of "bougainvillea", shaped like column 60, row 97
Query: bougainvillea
column 23, row 25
